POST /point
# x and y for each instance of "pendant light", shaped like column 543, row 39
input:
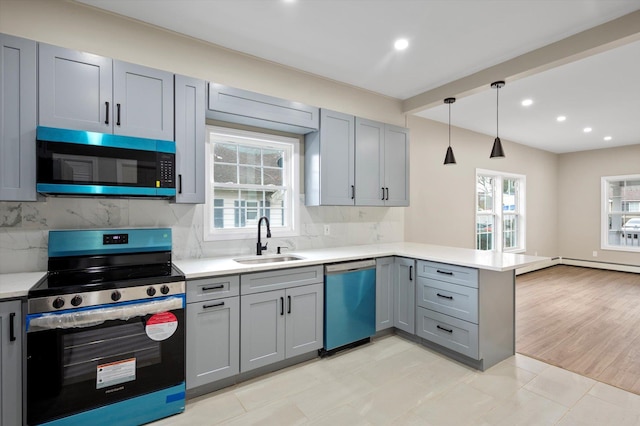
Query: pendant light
column 497, row 151
column 449, row 158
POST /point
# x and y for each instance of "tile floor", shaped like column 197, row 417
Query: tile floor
column 392, row 381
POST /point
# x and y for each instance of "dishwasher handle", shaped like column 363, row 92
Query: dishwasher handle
column 335, row 268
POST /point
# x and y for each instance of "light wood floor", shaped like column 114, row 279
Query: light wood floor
column 583, row 320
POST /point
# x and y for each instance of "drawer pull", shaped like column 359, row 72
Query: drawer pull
column 215, row 305
column 444, row 297
column 444, row 329
column 444, row 272
column 215, row 287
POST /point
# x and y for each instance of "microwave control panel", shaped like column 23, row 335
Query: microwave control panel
column 166, row 171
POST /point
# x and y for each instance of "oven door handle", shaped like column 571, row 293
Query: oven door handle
column 97, row 316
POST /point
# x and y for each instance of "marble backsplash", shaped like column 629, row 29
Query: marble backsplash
column 24, row 227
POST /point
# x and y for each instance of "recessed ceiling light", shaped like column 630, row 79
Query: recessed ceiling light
column 401, row 44
column 527, row 102
column 607, row 138
column 561, row 118
column 587, row 129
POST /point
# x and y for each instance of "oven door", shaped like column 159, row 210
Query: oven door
column 82, row 359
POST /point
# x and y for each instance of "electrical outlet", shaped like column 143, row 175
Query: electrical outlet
column 327, row 230
column 595, row 253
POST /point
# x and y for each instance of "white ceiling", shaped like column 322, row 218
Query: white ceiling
column 351, row 41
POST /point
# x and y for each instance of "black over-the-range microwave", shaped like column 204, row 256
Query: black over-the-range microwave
column 75, row 162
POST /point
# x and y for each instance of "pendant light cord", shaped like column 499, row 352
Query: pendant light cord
column 497, row 110
column 449, row 124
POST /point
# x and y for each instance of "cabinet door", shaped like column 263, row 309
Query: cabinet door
column 304, row 319
column 396, row 165
column 17, row 119
column 330, row 161
column 190, row 139
column 404, row 295
column 369, row 179
column 10, row 363
column 74, row 90
column 384, row 293
column 143, row 100
column 213, row 341
column 262, row 329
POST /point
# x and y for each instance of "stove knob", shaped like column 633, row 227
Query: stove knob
column 151, row 291
column 164, row 289
column 76, row 301
column 115, row 296
column 58, row 303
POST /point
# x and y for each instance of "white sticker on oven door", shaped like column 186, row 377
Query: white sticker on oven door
column 161, row 326
column 115, row 373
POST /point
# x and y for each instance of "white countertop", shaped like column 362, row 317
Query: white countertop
column 17, row 285
column 207, row 267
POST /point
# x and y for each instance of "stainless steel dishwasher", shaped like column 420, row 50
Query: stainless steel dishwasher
column 350, row 303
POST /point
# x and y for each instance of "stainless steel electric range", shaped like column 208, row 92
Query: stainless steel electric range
column 105, row 330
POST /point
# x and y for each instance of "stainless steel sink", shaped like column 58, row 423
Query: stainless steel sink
column 253, row 260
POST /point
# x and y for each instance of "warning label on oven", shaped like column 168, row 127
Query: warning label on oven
column 115, row 373
column 161, row 326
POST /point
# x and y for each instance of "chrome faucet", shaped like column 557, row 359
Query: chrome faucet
column 260, row 247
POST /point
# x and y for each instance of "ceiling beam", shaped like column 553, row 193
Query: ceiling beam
column 609, row 35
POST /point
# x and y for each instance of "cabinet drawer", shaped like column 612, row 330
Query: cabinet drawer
column 199, row 290
column 449, row 273
column 451, row 299
column 280, row 279
column 457, row 335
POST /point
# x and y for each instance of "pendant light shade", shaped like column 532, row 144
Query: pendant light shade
column 449, row 158
column 497, row 151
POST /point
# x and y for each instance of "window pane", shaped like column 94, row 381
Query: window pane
column 509, row 196
column 225, row 153
column 484, row 232
column 249, row 155
column 510, row 231
column 250, row 175
column 485, row 193
column 623, row 204
column 272, row 176
column 272, row 158
column 224, row 173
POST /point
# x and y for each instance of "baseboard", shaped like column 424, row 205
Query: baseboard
column 601, row 265
column 577, row 262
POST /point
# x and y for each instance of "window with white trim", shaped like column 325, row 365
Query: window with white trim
column 500, row 218
column 620, row 228
column 250, row 175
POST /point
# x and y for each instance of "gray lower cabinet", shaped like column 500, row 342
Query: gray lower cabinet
column 384, row 292
column 281, row 315
column 382, row 164
column 213, row 330
column 404, row 291
column 466, row 310
column 11, row 363
column 189, row 124
column 17, row 119
column 83, row 91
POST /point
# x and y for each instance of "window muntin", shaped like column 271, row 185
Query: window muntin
column 620, row 213
column 500, row 211
column 250, row 175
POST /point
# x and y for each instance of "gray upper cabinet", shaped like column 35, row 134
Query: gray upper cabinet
column 330, row 161
column 10, row 363
column 190, row 139
column 355, row 161
column 75, row 90
column 382, row 164
column 143, row 100
column 254, row 109
column 82, row 91
column 17, row 119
